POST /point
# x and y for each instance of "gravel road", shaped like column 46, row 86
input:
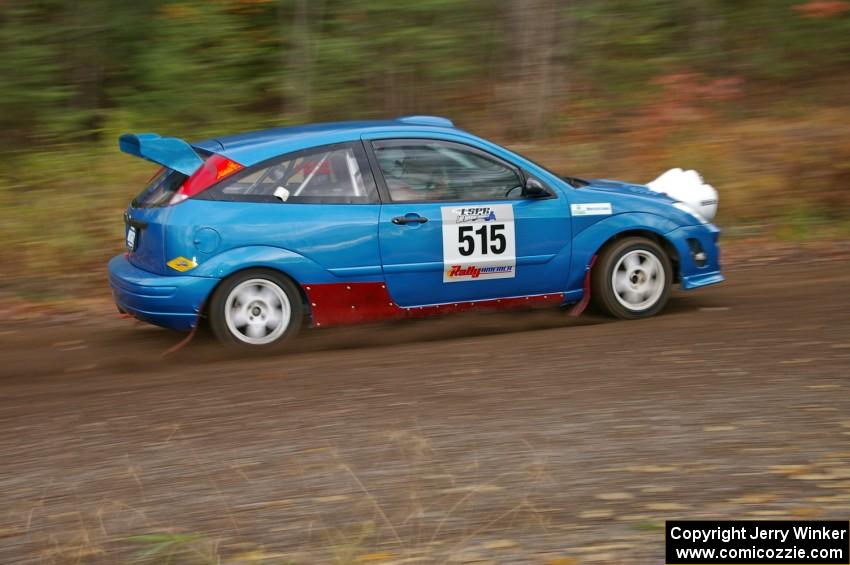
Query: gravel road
column 502, row 438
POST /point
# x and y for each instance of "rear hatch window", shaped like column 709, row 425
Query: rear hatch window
column 160, row 189
column 164, row 184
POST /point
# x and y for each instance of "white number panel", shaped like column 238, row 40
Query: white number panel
column 479, row 243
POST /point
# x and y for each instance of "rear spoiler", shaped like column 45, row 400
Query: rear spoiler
column 169, row 152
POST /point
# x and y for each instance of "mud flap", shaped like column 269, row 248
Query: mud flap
column 581, row 305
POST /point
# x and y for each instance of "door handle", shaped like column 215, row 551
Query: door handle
column 403, row 220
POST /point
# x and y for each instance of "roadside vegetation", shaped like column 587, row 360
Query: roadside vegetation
column 754, row 95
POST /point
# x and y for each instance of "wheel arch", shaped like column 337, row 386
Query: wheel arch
column 591, row 240
column 204, row 312
column 658, row 238
column 295, row 267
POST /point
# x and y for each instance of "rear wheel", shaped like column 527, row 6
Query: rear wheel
column 632, row 279
column 257, row 309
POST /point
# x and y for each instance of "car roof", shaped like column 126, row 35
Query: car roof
column 254, row 147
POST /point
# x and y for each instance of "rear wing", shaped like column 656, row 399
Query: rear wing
column 169, row 152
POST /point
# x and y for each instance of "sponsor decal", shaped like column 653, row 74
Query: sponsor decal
column 475, row 214
column 475, row 271
column 182, row 264
column 594, row 209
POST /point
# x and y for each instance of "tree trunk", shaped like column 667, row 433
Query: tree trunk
column 299, row 75
column 534, row 36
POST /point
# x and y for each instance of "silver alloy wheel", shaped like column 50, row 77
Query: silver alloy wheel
column 257, row 311
column 638, row 280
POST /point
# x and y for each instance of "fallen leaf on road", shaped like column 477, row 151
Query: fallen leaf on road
column 69, row 343
column 601, row 558
column 634, row 517
column 719, row 428
column 789, row 469
column 603, row 547
column 81, row 368
column 753, row 499
column 331, row 498
column 667, row 506
column 468, row 557
column 473, row 488
column 829, row 499
column 500, row 544
column 257, row 556
column 615, row 496
column 656, row 489
column 814, row 477
column 652, row 469
column 372, row 557
column 562, row 561
column 805, row 512
column 594, row 514
column 767, row 513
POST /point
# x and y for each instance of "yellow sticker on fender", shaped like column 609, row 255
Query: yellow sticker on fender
column 182, row 264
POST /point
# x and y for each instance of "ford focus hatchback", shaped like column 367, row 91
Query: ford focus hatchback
column 320, row 225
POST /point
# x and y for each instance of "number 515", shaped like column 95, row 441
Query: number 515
column 466, row 240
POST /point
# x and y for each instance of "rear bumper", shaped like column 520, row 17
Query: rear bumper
column 169, row 301
column 692, row 274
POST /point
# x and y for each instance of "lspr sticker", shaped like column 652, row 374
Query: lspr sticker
column 479, row 242
column 595, row 209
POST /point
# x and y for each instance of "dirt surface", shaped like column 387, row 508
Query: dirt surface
column 521, row 438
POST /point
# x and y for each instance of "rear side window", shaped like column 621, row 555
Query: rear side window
column 160, row 189
column 333, row 174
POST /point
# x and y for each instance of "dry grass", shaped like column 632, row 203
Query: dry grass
column 444, row 514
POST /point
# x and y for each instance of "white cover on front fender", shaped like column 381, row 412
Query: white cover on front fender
column 689, row 188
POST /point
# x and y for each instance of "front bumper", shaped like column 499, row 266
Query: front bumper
column 169, row 301
column 694, row 273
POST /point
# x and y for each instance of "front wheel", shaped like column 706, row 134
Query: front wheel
column 258, row 309
column 632, row 279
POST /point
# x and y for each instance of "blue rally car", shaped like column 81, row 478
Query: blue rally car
column 263, row 233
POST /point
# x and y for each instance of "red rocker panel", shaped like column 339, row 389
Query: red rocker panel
column 349, row 303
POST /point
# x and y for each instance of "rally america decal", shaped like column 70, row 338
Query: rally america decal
column 479, row 243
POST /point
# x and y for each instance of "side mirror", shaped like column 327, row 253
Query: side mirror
column 534, row 189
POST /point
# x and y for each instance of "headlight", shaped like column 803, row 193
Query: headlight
column 690, row 211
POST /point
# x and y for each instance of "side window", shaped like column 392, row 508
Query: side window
column 429, row 170
column 336, row 174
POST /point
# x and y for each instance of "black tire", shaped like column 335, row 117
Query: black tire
column 603, row 293
column 230, row 333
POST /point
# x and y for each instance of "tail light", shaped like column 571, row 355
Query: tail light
column 214, row 169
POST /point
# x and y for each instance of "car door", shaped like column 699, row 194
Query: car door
column 454, row 225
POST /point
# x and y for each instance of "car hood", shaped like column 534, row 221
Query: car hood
column 624, row 197
column 619, row 187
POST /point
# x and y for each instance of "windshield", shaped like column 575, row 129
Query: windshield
column 574, row 182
